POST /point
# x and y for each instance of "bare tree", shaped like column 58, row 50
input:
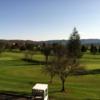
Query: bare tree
column 62, row 66
column 50, row 70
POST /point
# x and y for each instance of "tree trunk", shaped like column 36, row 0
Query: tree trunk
column 51, row 79
column 63, row 85
column 46, row 58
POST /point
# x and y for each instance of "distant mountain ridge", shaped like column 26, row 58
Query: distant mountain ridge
column 83, row 41
column 90, row 41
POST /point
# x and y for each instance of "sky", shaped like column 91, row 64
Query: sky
column 49, row 19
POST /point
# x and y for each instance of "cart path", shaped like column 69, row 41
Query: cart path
column 4, row 96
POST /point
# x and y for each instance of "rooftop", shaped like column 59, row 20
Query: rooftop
column 40, row 86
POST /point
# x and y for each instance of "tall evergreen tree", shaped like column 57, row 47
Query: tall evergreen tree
column 74, row 45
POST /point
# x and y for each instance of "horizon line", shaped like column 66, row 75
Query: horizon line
column 50, row 39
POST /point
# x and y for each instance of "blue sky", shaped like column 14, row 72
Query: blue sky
column 49, row 19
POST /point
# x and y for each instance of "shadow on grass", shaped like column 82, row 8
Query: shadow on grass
column 87, row 72
column 34, row 62
column 91, row 99
column 10, row 95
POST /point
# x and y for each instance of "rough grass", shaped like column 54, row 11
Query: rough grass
column 19, row 76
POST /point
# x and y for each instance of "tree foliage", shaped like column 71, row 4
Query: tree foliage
column 29, row 51
column 64, row 60
column 83, row 48
column 74, row 45
column 2, row 46
column 93, row 49
column 46, row 50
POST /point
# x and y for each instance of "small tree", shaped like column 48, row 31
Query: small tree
column 2, row 46
column 83, row 48
column 93, row 49
column 46, row 50
column 29, row 51
column 63, row 66
column 50, row 69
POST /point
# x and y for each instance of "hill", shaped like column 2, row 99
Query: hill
column 83, row 41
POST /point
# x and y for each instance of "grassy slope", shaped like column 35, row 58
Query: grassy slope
column 19, row 76
column 91, row 61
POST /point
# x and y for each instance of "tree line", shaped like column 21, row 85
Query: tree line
column 93, row 48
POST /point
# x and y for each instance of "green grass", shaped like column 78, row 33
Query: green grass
column 91, row 61
column 19, row 76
